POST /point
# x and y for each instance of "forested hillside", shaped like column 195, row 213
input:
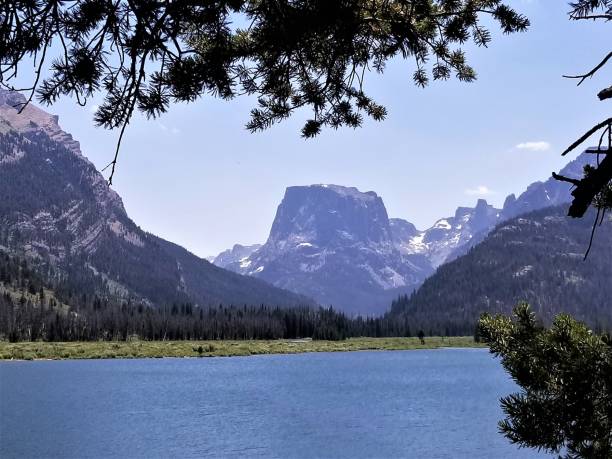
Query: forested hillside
column 58, row 212
column 538, row 258
column 37, row 308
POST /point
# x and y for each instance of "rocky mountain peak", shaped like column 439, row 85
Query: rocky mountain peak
column 481, row 204
column 11, row 98
column 237, row 254
column 329, row 215
column 58, row 211
column 485, row 216
column 509, row 201
column 32, row 119
column 575, row 168
column 402, row 230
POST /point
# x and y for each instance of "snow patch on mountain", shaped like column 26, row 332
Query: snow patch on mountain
column 447, row 234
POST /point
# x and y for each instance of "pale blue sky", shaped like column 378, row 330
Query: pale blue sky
column 198, row 178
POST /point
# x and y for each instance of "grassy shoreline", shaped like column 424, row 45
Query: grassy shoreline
column 159, row 349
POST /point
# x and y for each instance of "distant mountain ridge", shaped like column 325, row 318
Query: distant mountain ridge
column 323, row 234
column 447, row 234
column 535, row 257
column 332, row 243
column 236, row 255
column 58, row 211
column 451, row 237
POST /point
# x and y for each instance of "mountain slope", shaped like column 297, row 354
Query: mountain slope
column 335, row 244
column 58, row 211
column 537, row 257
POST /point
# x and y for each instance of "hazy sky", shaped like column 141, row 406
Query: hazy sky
column 198, row 178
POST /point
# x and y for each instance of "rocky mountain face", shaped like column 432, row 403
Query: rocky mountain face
column 58, row 211
column 447, row 234
column 402, row 230
column 536, row 257
column 452, row 237
column 335, row 244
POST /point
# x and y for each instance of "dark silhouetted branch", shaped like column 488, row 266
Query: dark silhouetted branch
column 607, row 17
column 597, row 150
column 591, row 72
column 586, row 135
column 587, row 188
column 605, row 93
column 563, row 178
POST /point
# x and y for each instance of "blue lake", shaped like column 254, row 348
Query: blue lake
column 413, row 404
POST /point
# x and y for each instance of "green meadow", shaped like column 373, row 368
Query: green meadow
column 158, row 349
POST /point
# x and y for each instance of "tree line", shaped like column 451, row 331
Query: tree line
column 30, row 311
column 40, row 319
column 536, row 258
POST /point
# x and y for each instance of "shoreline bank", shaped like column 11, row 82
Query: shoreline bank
column 221, row 348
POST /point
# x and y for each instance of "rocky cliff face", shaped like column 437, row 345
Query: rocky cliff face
column 58, row 210
column 402, row 230
column 329, row 215
column 336, row 245
column 447, row 234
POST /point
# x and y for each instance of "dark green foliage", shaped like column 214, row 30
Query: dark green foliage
column 565, row 375
column 143, row 55
column 86, row 316
column 538, row 258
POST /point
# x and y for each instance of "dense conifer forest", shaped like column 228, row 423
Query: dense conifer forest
column 31, row 311
column 538, row 258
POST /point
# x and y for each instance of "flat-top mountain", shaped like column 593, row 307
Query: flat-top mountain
column 335, row 244
column 58, row 211
column 338, row 245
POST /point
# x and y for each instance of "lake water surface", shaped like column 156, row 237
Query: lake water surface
column 414, row 404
